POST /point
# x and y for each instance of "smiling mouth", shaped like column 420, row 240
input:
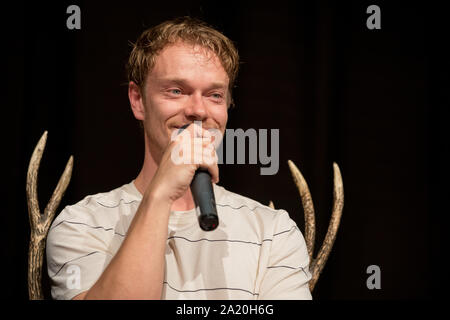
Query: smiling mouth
column 182, row 127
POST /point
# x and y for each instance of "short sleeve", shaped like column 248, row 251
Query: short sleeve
column 287, row 275
column 76, row 253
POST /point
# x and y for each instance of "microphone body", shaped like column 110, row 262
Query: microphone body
column 203, row 194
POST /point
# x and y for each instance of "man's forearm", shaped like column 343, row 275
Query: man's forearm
column 137, row 270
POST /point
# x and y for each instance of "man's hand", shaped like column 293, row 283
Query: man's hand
column 191, row 149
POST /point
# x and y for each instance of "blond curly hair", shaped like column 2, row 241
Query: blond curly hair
column 185, row 29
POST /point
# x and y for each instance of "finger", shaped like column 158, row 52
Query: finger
column 210, row 151
column 208, row 159
column 196, row 130
column 206, row 150
column 195, row 149
column 206, row 134
column 199, row 131
column 185, row 138
column 205, row 159
column 201, row 144
column 213, row 170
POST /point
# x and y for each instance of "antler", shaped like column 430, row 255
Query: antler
column 317, row 264
column 39, row 223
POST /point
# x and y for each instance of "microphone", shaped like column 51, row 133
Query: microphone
column 203, row 194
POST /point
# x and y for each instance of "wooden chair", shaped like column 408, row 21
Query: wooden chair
column 40, row 223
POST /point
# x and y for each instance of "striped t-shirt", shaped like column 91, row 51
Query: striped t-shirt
column 255, row 252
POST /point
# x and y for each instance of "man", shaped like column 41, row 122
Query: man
column 142, row 240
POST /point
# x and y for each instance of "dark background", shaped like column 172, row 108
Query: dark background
column 370, row 100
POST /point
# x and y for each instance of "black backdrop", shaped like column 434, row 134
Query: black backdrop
column 371, row 100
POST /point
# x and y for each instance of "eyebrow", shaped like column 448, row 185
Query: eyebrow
column 184, row 82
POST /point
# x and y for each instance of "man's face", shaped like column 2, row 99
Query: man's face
column 186, row 84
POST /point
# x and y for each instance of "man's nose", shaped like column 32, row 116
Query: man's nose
column 196, row 108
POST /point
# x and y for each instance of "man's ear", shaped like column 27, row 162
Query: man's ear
column 136, row 100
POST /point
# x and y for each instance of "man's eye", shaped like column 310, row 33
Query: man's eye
column 175, row 91
column 217, row 96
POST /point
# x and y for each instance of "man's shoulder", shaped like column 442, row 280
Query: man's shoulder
column 100, row 206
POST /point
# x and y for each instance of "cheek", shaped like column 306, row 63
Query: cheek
column 221, row 116
column 225, row 118
column 160, row 111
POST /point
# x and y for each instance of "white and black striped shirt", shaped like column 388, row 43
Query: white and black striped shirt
column 255, row 253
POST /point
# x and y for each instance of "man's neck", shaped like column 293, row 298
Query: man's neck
column 145, row 176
